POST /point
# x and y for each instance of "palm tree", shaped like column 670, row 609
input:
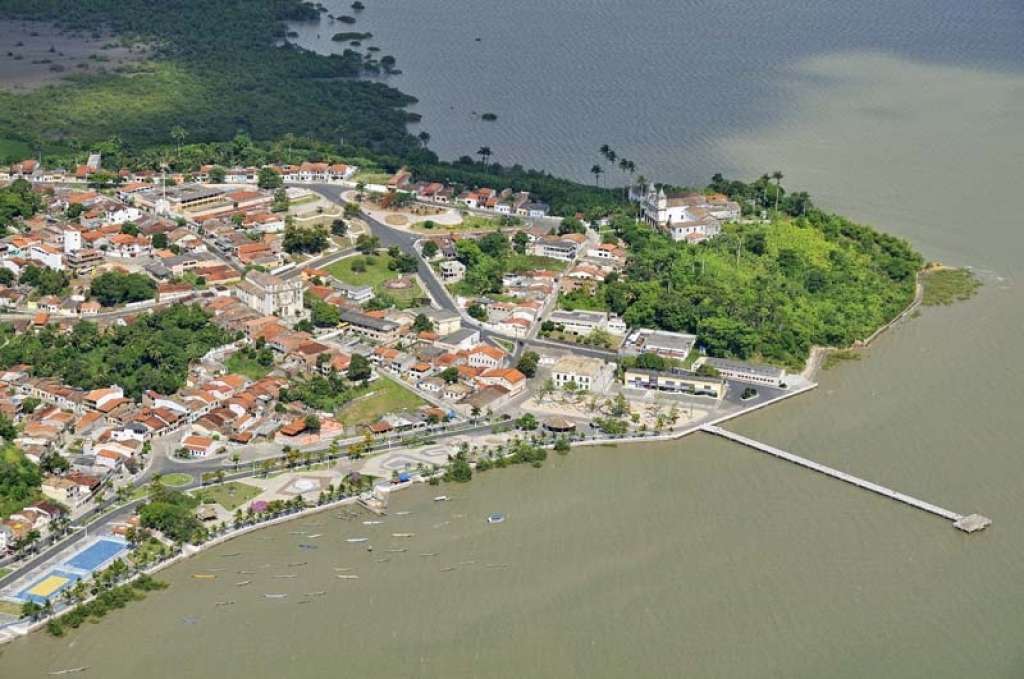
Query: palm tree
column 179, row 134
column 424, row 138
column 485, row 153
column 777, row 176
column 235, row 458
column 596, row 170
column 605, row 150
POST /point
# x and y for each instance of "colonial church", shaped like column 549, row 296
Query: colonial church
column 690, row 217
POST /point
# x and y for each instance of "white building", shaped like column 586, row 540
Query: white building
column 588, row 374
column 744, row 372
column 585, row 322
column 452, row 271
column 72, row 241
column 271, row 295
column 47, row 254
column 691, row 217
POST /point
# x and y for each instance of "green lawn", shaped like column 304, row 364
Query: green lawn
column 4, row 572
column 371, row 177
column 176, row 480
column 229, row 495
column 10, row 608
column 246, row 365
column 517, row 263
column 470, row 222
column 385, row 396
column 376, row 272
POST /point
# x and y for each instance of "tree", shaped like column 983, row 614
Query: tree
column 430, row 249
column 528, row 363
column 268, row 178
column 424, row 138
column 547, row 388
column 217, row 174
column 159, row 241
column 367, row 244
column 359, row 368
column 527, row 422
column 339, row 227
column 707, row 370
column 450, row 375
column 303, row 239
column 477, row 311
column 459, row 470
column 485, row 153
column 562, row 445
column 650, row 361
column 114, row 287
column 597, row 171
column 422, row 323
column 179, row 134
column 777, row 176
column 519, row 242
column 312, row 423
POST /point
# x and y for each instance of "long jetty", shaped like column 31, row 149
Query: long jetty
column 969, row 523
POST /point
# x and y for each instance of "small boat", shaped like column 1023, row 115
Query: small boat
column 342, row 570
column 297, row 532
column 288, row 576
column 448, row 569
column 247, row 572
column 442, row 524
column 243, row 583
column 303, row 601
column 441, row 498
column 467, row 563
column 296, row 564
column 203, row 576
column 216, row 570
column 314, row 536
column 319, row 592
column 230, row 555
column 274, row 596
column 308, row 547
column 384, row 560
column 348, row 577
column 354, row 540
column 496, row 565
column 402, row 513
column 403, row 535
column 496, row 517
column 70, row 670
column 190, row 620
column 429, row 554
column 397, row 551
column 225, row 603
column 372, row 523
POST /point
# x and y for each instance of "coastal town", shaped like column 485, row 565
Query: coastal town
column 351, row 339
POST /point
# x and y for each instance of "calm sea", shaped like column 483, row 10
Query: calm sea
column 697, row 558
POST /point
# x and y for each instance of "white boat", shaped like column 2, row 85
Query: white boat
column 354, row 540
column 403, row 535
column 372, row 523
column 243, row 583
column 314, row 536
column 402, row 513
column 496, row 517
column 441, row 498
column 275, row 596
column 348, row 577
column 285, row 577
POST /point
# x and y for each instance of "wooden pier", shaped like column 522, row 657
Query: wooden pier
column 969, row 523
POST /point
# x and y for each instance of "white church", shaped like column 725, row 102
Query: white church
column 691, row 217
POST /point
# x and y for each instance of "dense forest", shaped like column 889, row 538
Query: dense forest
column 216, row 70
column 767, row 291
column 153, row 352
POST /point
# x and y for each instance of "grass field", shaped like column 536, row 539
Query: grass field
column 470, row 222
column 4, row 572
column 945, row 286
column 230, row 495
column 377, row 271
column 10, row 608
column 386, row 396
column 176, row 480
column 246, row 365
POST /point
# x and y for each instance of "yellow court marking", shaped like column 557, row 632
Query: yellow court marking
column 48, row 586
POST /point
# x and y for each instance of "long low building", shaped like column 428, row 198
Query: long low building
column 377, row 329
column 676, row 381
column 753, row 373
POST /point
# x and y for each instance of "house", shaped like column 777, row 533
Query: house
column 585, row 322
column 377, row 329
column 509, row 378
column 64, row 491
column 360, row 294
column 452, row 271
column 199, row 446
column 455, row 391
column 555, row 247
column 486, row 356
column 586, row 373
column 744, row 372
column 460, row 340
column 676, row 381
column 49, row 255
column 106, row 399
column 661, row 342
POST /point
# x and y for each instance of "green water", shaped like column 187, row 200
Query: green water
column 700, row 558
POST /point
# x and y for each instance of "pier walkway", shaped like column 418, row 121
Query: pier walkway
column 967, row 523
